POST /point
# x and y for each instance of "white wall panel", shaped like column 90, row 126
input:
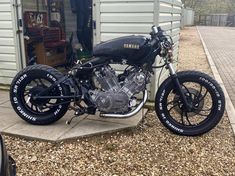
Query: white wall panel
column 126, row 7
column 123, row 17
column 5, row 6
column 10, row 58
column 7, row 33
column 7, row 49
column 127, row 17
column 6, row 41
column 126, row 28
column 8, row 66
column 5, row 16
column 6, row 25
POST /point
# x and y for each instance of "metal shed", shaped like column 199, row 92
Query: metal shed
column 113, row 18
column 187, row 17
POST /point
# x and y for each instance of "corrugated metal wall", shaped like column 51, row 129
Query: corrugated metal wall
column 8, row 54
column 125, row 17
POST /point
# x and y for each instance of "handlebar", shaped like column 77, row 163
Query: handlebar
column 157, row 35
column 157, row 30
column 154, row 29
column 159, row 38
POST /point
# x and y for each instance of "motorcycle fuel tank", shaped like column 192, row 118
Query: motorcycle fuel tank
column 131, row 48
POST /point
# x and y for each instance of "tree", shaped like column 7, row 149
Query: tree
column 204, row 7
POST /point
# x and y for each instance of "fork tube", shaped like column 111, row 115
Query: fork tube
column 177, row 85
column 171, row 68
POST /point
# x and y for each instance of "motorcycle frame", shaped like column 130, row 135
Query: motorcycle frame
column 70, row 79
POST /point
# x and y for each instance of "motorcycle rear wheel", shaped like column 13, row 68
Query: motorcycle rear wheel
column 28, row 83
column 205, row 96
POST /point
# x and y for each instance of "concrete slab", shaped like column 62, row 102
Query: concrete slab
column 49, row 132
column 90, row 127
column 6, row 104
column 95, row 125
column 85, row 125
column 8, row 118
column 233, row 127
column 4, row 96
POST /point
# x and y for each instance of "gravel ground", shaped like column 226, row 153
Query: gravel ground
column 147, row 150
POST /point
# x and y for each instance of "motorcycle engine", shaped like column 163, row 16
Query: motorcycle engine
column 115, row 96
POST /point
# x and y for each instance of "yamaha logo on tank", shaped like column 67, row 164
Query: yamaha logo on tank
column 132, row 46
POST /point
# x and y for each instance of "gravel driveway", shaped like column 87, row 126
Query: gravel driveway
column 149, row 150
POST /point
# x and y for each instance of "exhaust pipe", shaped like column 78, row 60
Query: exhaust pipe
column 132, row 113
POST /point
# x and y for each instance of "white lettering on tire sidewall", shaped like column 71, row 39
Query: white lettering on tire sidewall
column 164, row 117
column 15, row 100
column 217, row 93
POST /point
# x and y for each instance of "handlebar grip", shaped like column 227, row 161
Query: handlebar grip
column 155, row 29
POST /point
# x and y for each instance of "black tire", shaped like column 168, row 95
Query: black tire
column 30, row 79
column 213, row 93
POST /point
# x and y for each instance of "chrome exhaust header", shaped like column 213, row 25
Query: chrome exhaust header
column 132, row 113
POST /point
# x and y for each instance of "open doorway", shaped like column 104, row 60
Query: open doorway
column 57, row 32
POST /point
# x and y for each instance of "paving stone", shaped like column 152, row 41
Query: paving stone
column 220, row 42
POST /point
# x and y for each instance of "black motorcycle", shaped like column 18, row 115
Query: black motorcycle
column 187, row 103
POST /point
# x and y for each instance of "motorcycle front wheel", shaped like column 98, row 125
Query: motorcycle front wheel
column 205, row 97
column 29, row 83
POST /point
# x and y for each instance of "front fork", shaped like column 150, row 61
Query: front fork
column 178, row 87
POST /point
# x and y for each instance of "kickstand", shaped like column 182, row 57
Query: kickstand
column 68, row 122
column 143, row 120
column 78, row 113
